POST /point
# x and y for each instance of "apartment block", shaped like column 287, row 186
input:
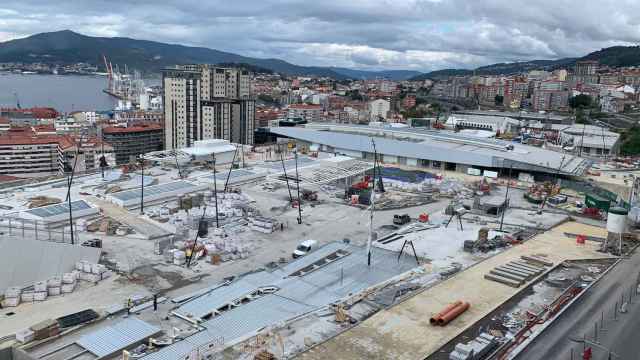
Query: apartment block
column 207, row 102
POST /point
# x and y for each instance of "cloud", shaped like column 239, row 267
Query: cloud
column 367, row 34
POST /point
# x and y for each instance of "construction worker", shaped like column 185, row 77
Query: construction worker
column 155, row 302
column 129, row 303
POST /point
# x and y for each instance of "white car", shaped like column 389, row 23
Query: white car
column 304, row 248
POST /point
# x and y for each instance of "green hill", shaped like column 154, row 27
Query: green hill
column 68, row 47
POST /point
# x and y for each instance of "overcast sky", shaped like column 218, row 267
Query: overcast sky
column 368, row 34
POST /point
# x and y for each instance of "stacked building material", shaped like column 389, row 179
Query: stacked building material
column 40, row 291
column 12, row 296
column 515, row 273
column 45, row 329
column 53, row 286
column 261, row 224
column 25, row 336
column 91, row 272
column 69, row 282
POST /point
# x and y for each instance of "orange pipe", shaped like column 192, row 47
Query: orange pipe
column 434, row 319
column 454, row 313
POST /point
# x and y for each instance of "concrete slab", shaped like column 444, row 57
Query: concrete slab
column 403, row 332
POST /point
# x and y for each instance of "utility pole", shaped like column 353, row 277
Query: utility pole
column 584, row 127
column 69, row 205
column 286, row 178
column 141, row 185
column 215, row 189
column 103, row 160
column 177, row 164
column 506, row 198
column 295, row 154
column 226, row 183
column 69, row 183
column 373, row 200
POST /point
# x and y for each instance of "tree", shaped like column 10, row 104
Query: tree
column 355, row 95
column 580, row 101
column 631, row 141
column 580, row 118
column 499, row 100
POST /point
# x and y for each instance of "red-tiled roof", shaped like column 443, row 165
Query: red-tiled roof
column 36, row 112
column 131, row 129
column 26, row 136
column 305, row 106
column 6, row 178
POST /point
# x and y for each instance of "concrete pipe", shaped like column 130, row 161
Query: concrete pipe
column 434, row 319
column 446, row 318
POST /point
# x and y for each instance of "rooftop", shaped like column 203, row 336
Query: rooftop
column 132, row 129
column 438, row 146
column 259, row 299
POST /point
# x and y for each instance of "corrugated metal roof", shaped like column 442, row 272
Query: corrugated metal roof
column 181, row 185
column 116, row 337
column 207, row 303
column 297, row 295
column 235, row 324
column 443, row 147
column 57, row 209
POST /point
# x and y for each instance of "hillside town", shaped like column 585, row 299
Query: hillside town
column 222, row 211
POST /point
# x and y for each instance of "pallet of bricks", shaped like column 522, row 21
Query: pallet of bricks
column 40, row 331
column 57, row 285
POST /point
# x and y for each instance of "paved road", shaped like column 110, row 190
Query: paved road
column 620, row 336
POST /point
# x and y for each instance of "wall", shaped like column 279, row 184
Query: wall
column 14, row 354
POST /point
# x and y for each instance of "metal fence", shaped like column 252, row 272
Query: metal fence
column 36, row 230
column 589, row 188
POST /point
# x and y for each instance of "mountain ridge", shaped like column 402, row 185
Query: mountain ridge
column 68, row 47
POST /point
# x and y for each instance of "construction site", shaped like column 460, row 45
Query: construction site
column 278, row 252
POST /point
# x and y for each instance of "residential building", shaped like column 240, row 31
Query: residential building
column 409, row 101
column 307, row 112
column 130, row 142
column 89, row 117
column 379, row 109
column 5, row 124
column 29, row 116
column 25, row 153
column 137, row 116
column 207, row 102
column 586, row 67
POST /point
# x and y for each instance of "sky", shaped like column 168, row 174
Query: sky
column 421, row 35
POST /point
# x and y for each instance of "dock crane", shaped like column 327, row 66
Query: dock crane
column 109, row 69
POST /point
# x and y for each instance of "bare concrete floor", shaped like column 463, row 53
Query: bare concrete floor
column 403, row 331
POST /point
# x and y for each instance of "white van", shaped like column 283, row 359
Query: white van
column 304, row 248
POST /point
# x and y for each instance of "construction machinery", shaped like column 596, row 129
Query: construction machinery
column 364, row 184
column 309, row 195
column 401, row 219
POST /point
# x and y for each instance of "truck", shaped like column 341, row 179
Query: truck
column 304, row 248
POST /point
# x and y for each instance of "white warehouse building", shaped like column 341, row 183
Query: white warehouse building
column 433, row 149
